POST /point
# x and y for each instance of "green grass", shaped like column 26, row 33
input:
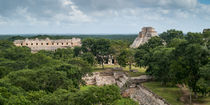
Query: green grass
column 141, row 71
column 202, row 100
column 171, row 94
column 83, row 88
column 206, row 100
column 135, row 74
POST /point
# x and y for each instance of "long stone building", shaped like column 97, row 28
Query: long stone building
column 48, row 44
column 144, row 36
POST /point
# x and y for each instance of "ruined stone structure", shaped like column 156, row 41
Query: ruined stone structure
column 106, row 78
column 144, row 96
column 47, row 44
column 144, row 36
column 131, row 87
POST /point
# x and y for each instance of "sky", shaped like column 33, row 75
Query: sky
column 102, row 16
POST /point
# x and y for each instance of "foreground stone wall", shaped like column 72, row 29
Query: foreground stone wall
column 145, row 97
column 106, row 78
column 130, row 87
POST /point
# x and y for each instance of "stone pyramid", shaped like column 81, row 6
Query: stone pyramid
column 144, row 36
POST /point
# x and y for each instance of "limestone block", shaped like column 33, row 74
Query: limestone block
column 105, row 80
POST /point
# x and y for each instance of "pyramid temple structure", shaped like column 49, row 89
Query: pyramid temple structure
column 143, row 37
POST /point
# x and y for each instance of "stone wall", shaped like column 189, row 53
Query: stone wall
column 130, row 86
column 106, row 78
column 146, row 97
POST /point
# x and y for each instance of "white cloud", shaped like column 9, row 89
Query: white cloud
column 66, row 2
column 159, row 13
column 74, row 15
column 69, row 14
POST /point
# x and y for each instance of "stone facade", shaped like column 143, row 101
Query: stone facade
column 144, row 36
column 47, row 44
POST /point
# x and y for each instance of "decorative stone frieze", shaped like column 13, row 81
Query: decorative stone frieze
column 48, row 44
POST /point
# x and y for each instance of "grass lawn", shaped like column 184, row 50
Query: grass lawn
column 206, row 100
column 202, row 100
column 171, row 94
column 141, row 71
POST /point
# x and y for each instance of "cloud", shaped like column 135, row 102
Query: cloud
column 89, row 10
column 147, row 9
column 100, row 5
column 42, row 10
column 103, row 13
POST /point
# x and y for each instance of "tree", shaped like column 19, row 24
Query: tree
column 58, row 97
column 6, row 66
column 63, row 54
column 159, row 65
column 5, row 44
column 16, row 38
column 141, row 57
column 152, row 43
column 194, row 38
column 89, row 57
column 126, row 57
column 17, row 53
column 35, row 96
column 171, row 34
column 96, row 95
column 205, row 71
column 82, row 65
column 46, row 53
column 187, row 59
column 88, row 45
column 202, row 86
column 45, row 79
column 39, row 60
column 102, row 50
column 206, row 36
column 122, row 58
column 77, row 51
column 116, row 47
column 14, row 58
column 176, row 42
column 52, row 78
column 144, row 52
column 18, row 100
column 74, row 73
column 203, row 83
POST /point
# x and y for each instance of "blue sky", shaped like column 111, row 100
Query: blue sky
column 205, row 1
column 102, row 16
